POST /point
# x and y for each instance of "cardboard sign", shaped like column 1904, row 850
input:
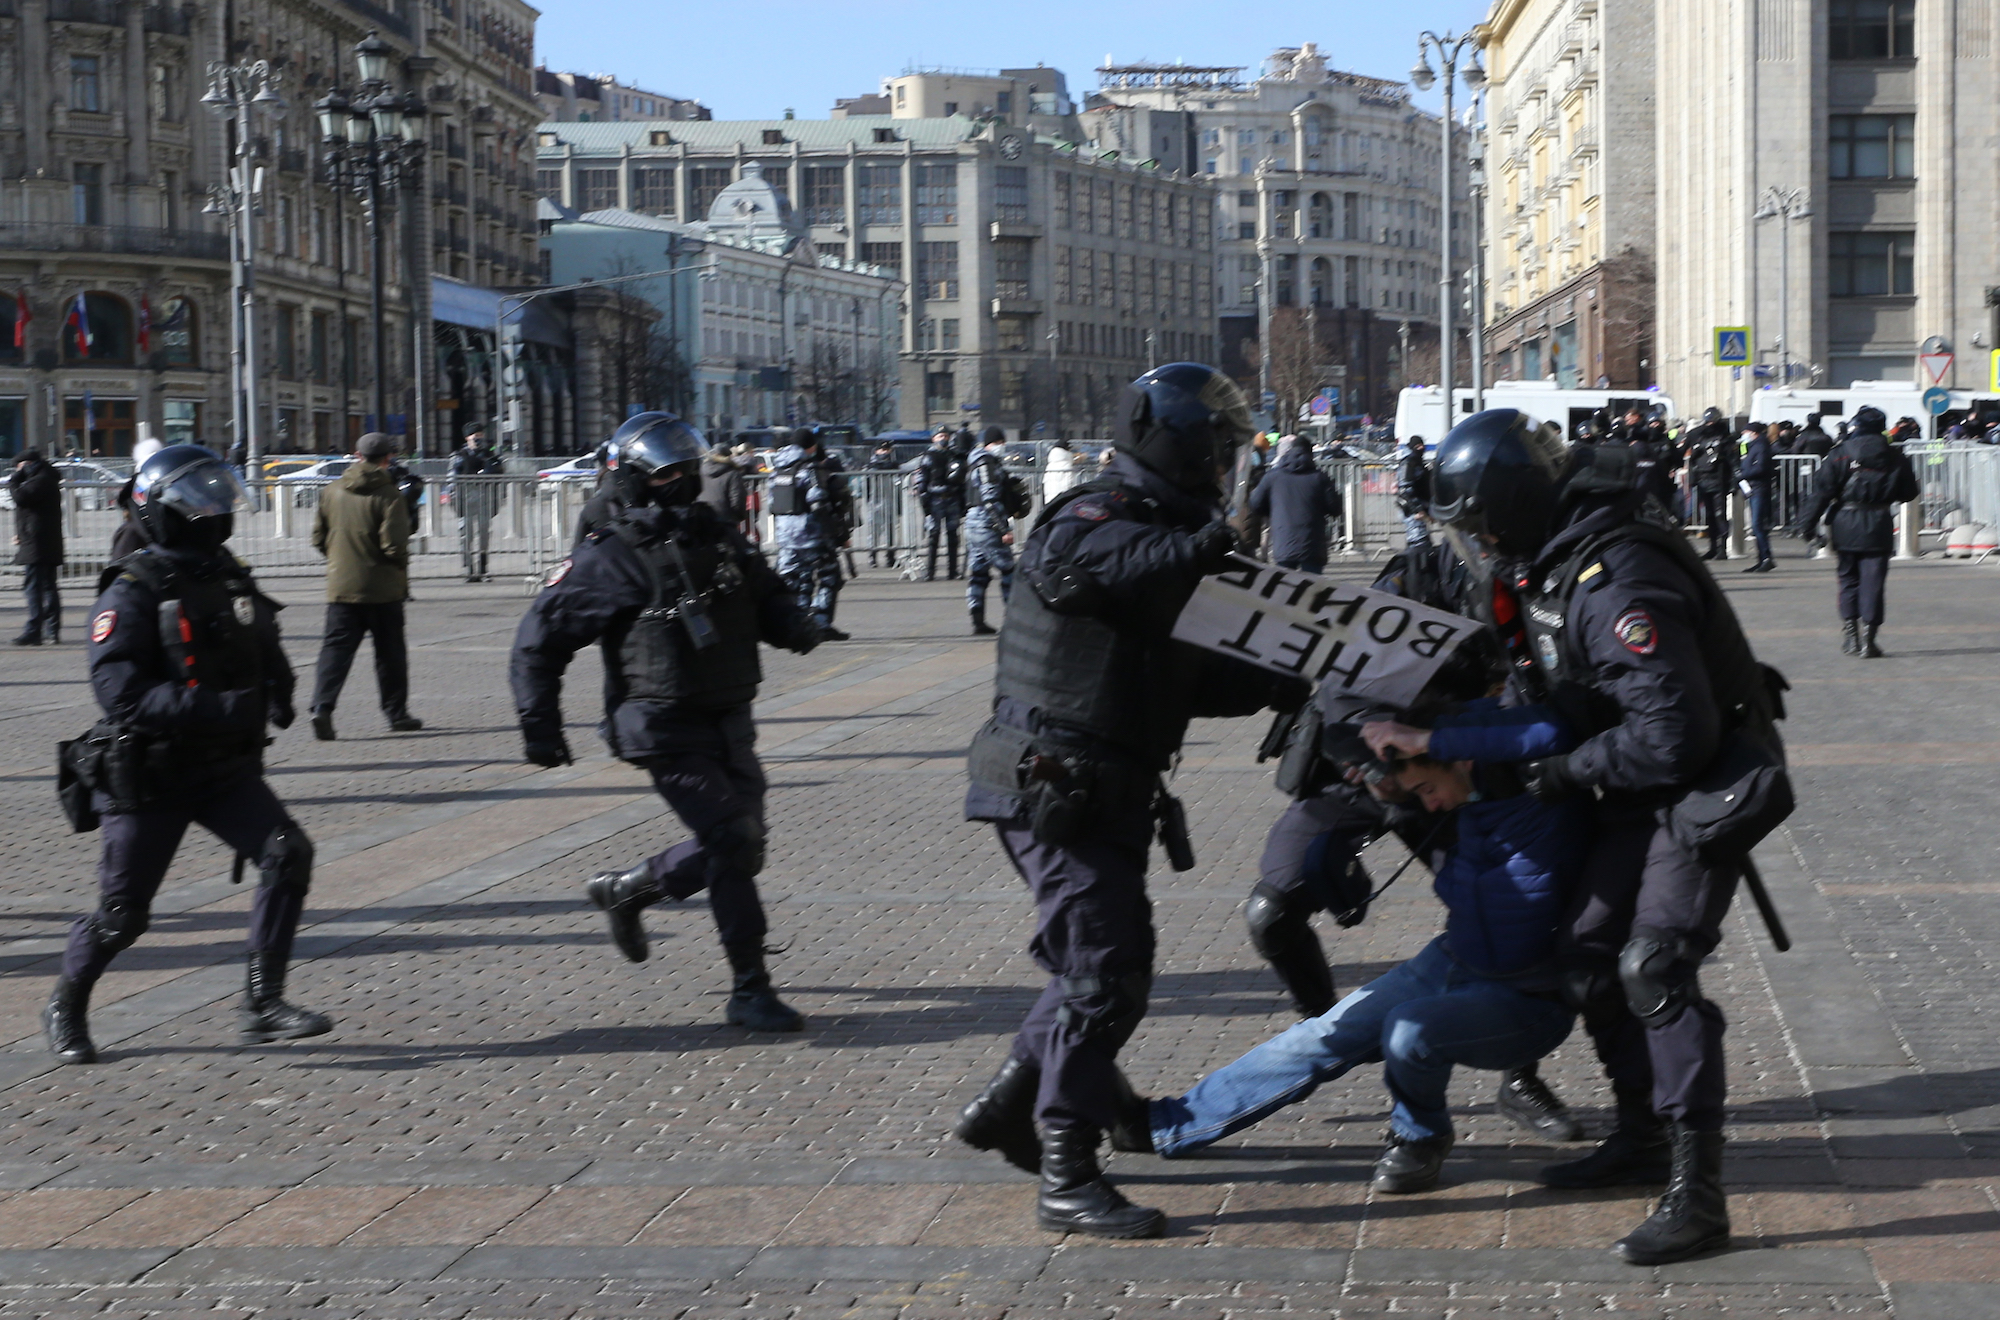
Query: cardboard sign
column 1368, row 643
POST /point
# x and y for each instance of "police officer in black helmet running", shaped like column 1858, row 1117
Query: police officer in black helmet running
column 679, row 601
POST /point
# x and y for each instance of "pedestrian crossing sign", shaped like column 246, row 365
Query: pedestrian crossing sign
column 1732, row 346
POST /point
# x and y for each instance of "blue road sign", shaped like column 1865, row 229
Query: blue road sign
column 1732, row 346
column 1937, row 400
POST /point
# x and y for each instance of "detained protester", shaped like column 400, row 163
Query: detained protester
column 679, row 601
column 1855, row 489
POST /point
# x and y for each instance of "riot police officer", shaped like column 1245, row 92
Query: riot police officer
column 1092, row 699
column 1856, row 489
column 989, row 531
column 809, row 509
column 186, row 662
column 1711, row 462
column 679, row 600
column 939, row 482
column 1628, row 629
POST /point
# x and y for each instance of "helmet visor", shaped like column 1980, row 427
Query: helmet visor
column 205, row 489
column 1475, row 550
column 661, row 446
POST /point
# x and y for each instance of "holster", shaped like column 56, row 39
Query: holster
column 1065, row 787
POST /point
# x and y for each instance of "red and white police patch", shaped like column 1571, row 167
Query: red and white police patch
column 1094, row 512
column 101, row 626
column 1635, row 628
column 562, row 571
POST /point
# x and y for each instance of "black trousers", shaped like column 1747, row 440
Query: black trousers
column 139, row 846
column 945, row 522
column 1863, row 580
column 1637, row 876
column 1715, row 512
column 1094, row 937
column 709, row 774
column 346, row 625
column 38, row 584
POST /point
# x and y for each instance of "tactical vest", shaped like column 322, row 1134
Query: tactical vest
column 656, row 652
column 210, row 627
column 786, row 488
column 1083, row 674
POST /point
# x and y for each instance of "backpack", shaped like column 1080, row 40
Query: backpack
column 1014, row 496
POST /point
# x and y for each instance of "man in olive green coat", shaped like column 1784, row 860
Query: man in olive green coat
column 363, row 529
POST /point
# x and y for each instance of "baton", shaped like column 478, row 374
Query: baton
column 1765, row 908
column 236, row 869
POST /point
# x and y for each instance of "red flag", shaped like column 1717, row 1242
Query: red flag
column 22, row 315
column 145, row 324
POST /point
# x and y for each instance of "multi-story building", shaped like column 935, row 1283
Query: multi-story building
column 1570, row 209
column 1041, row 276
column 112, row 155
column 1326, row 200
column 769, row 330
column 1880, row 117
column 596, row 98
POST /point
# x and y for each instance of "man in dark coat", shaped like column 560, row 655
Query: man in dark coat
column 1297, row 499
column 1711, row 458
column 38, row 544
column 1813, row 440
column 724, row 487
column 1856, row 489
column 1757, row 470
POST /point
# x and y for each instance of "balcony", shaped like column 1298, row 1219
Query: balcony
column 169, row 20
column 47, row 237
column 110, row 13
column 1585, row 143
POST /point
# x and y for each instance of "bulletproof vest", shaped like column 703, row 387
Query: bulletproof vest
column 1870, row 479
column 943, row 474
column 656, row 653
column 787, row 487
column 211, row 630
column 1084, row 674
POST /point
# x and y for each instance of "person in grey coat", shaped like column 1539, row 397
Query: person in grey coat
column 38, row 544
column 1297, row 500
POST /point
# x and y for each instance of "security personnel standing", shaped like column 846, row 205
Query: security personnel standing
column 679, row 601
column 1091, row 702
column 1856, row 488
column 940, row 485
column 186, row 662
column 1625, row 623
column 476, row 501
column 809, row 514
column 989, row 531
column 1711, row 462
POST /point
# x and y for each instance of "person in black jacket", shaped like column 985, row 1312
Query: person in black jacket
column 476, row 498
column 989, row 531
column 1856, row 488
column 1757, row 470
column 38, row 543
column 1297, row 500
column 1092, row 699
column 1813, row 440
column 724, row 488
column 939, row 481
column 1413, row 494
column 1711, row 461
column 679, row 600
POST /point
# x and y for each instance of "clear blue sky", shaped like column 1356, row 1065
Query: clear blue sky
column 749, row 59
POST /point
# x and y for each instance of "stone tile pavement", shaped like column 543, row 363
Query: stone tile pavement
column 510, row 1120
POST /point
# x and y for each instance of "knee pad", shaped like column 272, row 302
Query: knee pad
column 286, row 861
column 1593, row 990
column 1658, row 975
column 116, row 924
column 1335, row 878
column 1105, row 1010
column 738, row 843
column 1275, row 918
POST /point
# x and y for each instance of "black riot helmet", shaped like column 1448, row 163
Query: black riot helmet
column 185, row 498
column 1183, row 421
column 1870, row 420
column 1495, row 484
column 653, row 445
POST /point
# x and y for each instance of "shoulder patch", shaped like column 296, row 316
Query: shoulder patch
column 1636, row 630
column 101, row 627
column 1591, row 572
column 1090, row 509
column 562, row 571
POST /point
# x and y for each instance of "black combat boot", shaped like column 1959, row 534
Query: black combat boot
column 1410, row 1164
column 829, row 633
column 1637, row 1151
column 1002, row 1117
column 981, row 628
column 753, row 1004
column 1850, row 637
column 1133, row 1129
column 1693, row 1214
column 622, row 896
column 322, row 722
column 1870, row 651
column 1527, row 1100
column 65, row 1022
column 265, row 1015
column 1075, row 1196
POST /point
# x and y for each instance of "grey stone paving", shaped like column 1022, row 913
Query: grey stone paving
column 510, row 1120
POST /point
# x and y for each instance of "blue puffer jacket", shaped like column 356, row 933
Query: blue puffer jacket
column 1507, row 879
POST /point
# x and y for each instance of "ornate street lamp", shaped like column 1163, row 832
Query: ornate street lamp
column 238, row 93
column 1450, row 48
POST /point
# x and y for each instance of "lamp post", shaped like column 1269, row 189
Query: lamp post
column 1450, row 48
column 1475, row 276
column 238, row 93
column 1787, row 204
column 374, row 143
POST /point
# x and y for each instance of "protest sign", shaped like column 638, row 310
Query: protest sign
column 1369, row 643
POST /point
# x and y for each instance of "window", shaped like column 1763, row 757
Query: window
column 165, row 93
column 181, row 420
column 1105, row 201
column 174, row 332
column 774, row 137
column 653, row 189
column 596, row 190
column 948, row 334
column 1063, row 184
column 889, row 256
column 937, row 271
column 10, row 312
column 1013, row 383
column 1870, row 30
column 778, row 176
column 1063, row 275
column 286, row 333
column 937, row 193
column 1865, row 265
column 85, row 90
column 319, row 356
column 878, row 191
column 286, row 226
column 107, row 328
column 548, row 183
column 1086, row 277
column 1871, row 146
column 1004, row 102
column 704, row 184
column 1247, row 229
column 940, row 392
column 950, row 108
column 1010, row 193
column 888, row 134
column 824, row 189
column 1246, row 137
column 86, row 191
column 1010, row 267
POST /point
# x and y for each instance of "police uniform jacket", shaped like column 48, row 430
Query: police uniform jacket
column 822, row 493
column 986, row 487
column 623, row 586
column 1859, row 483
column 940, row 481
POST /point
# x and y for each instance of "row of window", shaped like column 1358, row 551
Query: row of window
column 1871, row 29
column 1086, row 278
column 109, row 332
column 1123, row 210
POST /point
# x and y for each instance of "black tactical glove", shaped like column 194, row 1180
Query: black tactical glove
column 1550, row 779
column 805, row 636
column 548, row 752
column 1213, row 545
column 282, row 712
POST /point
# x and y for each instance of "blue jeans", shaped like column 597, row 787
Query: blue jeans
column 1421, row 1018
column 1760, row 518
